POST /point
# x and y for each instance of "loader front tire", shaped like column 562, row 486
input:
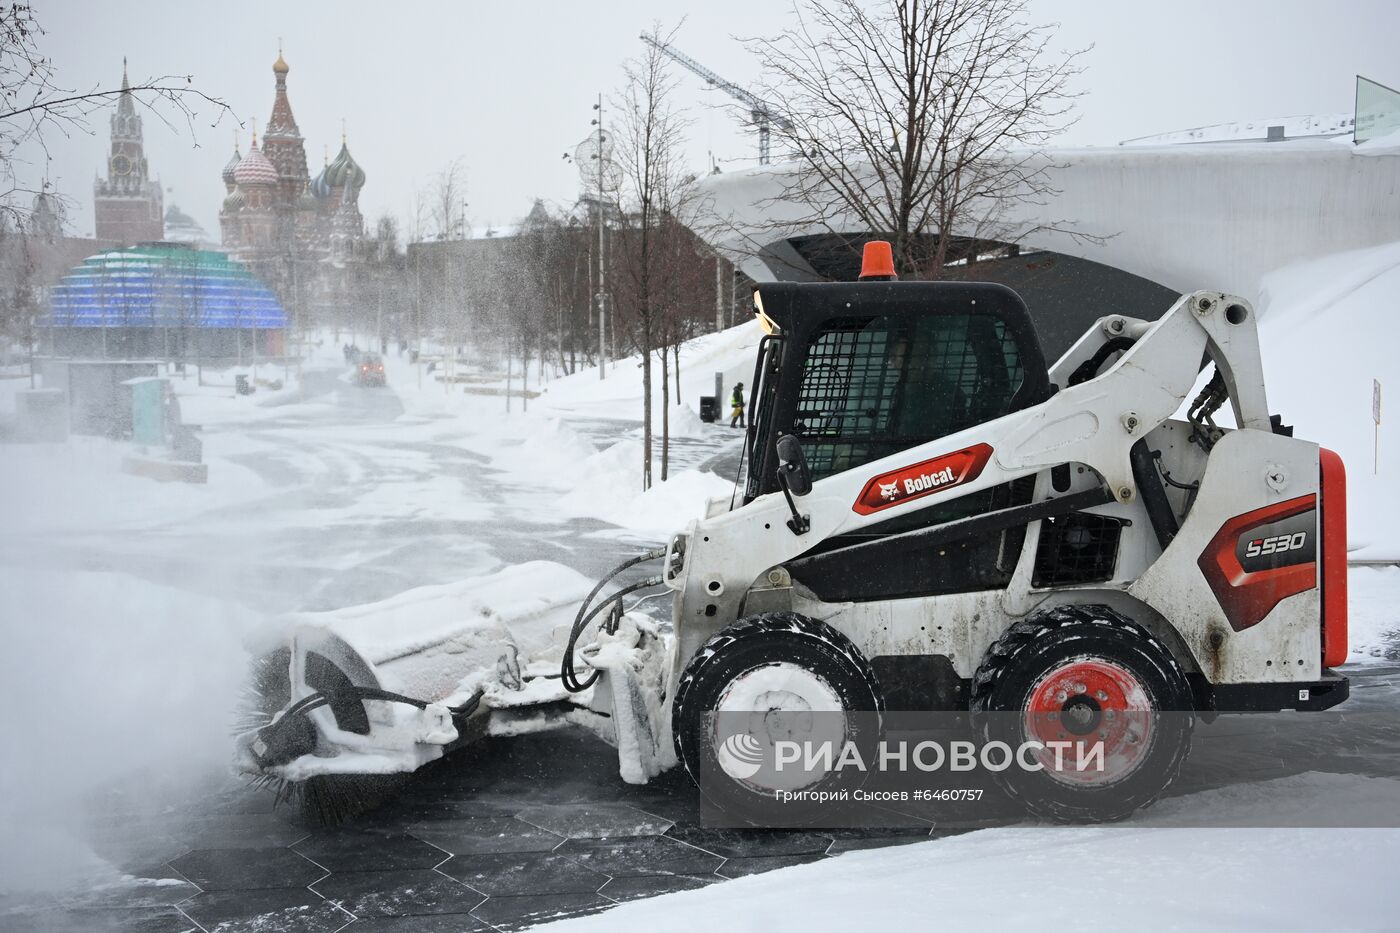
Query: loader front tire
column 1082, row 677
column 763, row 679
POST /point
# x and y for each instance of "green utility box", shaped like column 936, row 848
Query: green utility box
column 148, row 410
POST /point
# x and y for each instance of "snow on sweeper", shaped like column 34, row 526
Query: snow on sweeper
column 928, row 517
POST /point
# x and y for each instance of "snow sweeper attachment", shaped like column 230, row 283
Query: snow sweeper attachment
column 345, row 705
column 931, row 520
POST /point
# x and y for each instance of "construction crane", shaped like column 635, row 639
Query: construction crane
column 760, row 112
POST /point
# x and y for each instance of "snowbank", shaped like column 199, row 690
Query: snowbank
column 729, row 352
column 1327, row 330
column 606, row 484
column 1134, row 876
column 685, row 422
column 1373, row 615
column 545, row 453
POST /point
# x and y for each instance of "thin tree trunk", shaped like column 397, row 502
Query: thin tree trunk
column 678, row 371
column 646, row 412
column 665, row 418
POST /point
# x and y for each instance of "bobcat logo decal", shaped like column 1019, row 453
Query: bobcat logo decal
column 926, row 478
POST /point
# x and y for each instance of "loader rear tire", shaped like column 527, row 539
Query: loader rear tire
column 781, row 667
column 1085, row 675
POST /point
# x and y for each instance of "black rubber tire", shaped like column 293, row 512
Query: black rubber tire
column 751, row 643
column 1046, row 639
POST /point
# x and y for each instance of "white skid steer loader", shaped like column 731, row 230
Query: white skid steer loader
column 930, row 519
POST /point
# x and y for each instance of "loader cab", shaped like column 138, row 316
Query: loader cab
column 860, row 371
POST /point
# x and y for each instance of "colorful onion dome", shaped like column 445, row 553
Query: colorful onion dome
column 230, row 166
column 344, row 170
column 255, row 169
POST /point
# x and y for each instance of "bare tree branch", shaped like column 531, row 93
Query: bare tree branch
column 919, row 119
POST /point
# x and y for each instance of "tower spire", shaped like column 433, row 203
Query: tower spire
column 126, row 107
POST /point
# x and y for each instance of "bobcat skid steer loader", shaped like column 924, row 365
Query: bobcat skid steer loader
column 932, row 519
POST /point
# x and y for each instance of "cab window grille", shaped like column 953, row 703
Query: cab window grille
column 873, row 387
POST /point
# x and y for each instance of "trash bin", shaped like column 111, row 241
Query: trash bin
column 708, row 410
column 242, row 386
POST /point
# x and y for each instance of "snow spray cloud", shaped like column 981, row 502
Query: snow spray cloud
column 117, row 704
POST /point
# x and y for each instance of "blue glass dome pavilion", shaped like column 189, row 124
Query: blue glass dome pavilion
column 163, row 300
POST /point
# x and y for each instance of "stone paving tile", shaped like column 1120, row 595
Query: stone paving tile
column 239, row 831
column 409, row 810
column 495, row 834
column 285, row 910
column 594, row 820
column 245, row 869
column 519, row 913
column 740, row 867
column 640, row 886
column 525, row 873
column 851, row 840
column 643, row 855
column 437, row 923
column 397, row 893
column 675, row 809
column 360, row 850
column 741, row 843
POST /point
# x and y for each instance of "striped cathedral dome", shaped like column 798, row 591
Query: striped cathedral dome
column 255, row 169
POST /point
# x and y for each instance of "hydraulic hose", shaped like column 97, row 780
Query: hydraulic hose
column 292, row 735
column 587, row 612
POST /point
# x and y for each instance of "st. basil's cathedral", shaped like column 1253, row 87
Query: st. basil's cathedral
column 299, row 233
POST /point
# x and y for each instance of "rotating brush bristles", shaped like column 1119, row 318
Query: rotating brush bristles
column 324, row 800
column 332, row 799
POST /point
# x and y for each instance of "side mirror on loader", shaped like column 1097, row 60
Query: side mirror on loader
column 795, row 479
column 792, row 466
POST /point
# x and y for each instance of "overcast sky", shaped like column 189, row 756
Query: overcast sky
column 508, row 87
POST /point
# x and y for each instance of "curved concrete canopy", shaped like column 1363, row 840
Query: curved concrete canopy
column 1187, row 217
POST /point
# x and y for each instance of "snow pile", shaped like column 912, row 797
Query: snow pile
column 1373, row 615
column 667, row 507
column 607, row 488
column 1327, row 330
column 1130, row 876
column 685, row 422
column 546, row 453
column 434, row 642
column 728, row 352
column 605, row 481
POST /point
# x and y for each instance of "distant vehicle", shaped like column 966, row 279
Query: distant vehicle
column 370, row 370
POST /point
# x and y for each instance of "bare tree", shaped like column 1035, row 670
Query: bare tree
column 649, row 141
column 34, row 105
column 915, row 118
column 447, row 201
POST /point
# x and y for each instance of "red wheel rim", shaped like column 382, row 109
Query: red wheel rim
column 1101, row 709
